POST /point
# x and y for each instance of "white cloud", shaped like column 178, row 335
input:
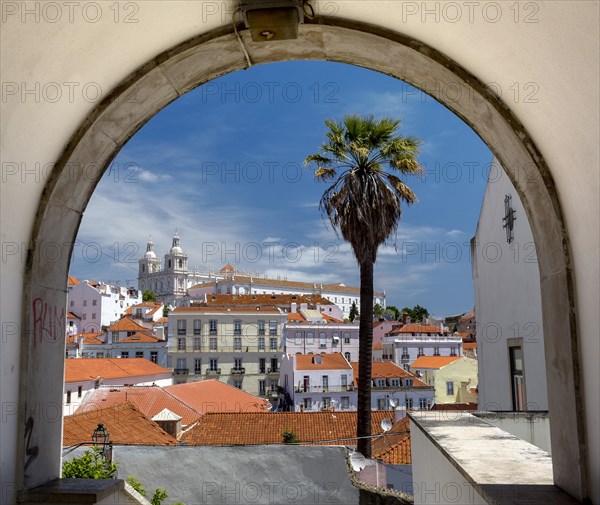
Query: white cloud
column 455, row 233
column 148, row 176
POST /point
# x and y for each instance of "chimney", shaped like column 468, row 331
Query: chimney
column 294, row 307
column 399, row 413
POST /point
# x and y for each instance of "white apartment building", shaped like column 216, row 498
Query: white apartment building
column 313, row 332
column 508, row 307
column 404, row 345
column 315, row 382
column 241, row 346
column 97, row 304
column 85, row 375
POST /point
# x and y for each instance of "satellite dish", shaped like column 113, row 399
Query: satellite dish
column 386, row 425
column 393, row 403
column 358, row 461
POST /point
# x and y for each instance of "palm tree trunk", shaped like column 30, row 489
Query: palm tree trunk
column 363, row 427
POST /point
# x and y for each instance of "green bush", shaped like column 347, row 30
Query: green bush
column 91, row 465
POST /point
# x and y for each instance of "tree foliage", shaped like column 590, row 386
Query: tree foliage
column 363, row 202
column 417, row 314
column 148, row 296
column 289, row 437
column 91, row 465
column 353, row 312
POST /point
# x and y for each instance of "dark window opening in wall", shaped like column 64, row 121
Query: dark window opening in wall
column 516, row 378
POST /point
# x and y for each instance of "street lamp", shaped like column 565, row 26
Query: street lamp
column 101, row 438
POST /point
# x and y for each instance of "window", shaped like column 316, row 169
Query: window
column 181, row 327
column 307, row 403
column 347, row 355
column 72, row 303
column 94, row 303
column 453, row 351
column 449, row 388
column 154, row 356
column 274, row 365
column 85, row 303
column 237, row 327
column 139, row 354
column 182, row 364
column 84, row 317
column 261, row 387
column 517, row 379
column 181, row 344
column 345, row 402
column 298, row 338
column 382, row 403
column 124, row 354
column 273, row 343
column 197, row 343
column 344, row 382
column 273, row 385
column 261, row 327
column 212, row 343
column 420, row 352
column 422, row 403
column 325, row 382
column 395, row 383
column 93, row 315
column 409, row 403
column 197, row 366
column 310, row 338
column 346, row 338
column 326, row 402
column 272, row 327
column 212, row 326
column 237, row 383
column 68, row 397
column 237, row 343
column 436, row 351
column 322, row 340
column 408, row 383
column 237, row 363
column 79, row 391
column 197, row 326
column 214, row 364
column 261, row 365
column 261, row 343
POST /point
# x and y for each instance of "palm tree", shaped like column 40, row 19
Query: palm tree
column 364, row 203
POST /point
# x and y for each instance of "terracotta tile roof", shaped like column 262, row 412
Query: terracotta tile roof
column 227, row 268
column 251, row 428
column 88, row 338
column 469, row 345
column 225, row 310
column 126, row 324
column 454, row 406
column 418, row 328
column 150, row 400
column 377, row 346
column 70, row 315
column 331, row 319
column 154, row 306
column 73, row 281
column 332, row 361
column 139, row 337
column 397, row 454
column 433, row 361
column 125, row 424
column 256, row 299
column 468, row 315
column 400, row 429
column 162, row 320
column 296, row 317
column 388, row 370
column 85, row 369
column 215, row 396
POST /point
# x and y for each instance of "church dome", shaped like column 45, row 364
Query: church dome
column 150, row 255
column 176, row 248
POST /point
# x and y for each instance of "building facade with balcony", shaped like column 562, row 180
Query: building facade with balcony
column 240, row 346
column 316, row 382
column 310, row 331
column 404, row 345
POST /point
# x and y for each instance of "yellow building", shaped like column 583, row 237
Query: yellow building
column 447, row 374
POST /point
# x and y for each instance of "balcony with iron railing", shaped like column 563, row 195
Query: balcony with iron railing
column 181, row 371
column 273, row 370
column 238, row 370
column 325, row 389
column 213, row 371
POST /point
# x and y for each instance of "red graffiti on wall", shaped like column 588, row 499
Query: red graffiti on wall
column 48, row 322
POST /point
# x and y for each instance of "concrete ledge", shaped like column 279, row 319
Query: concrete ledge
column 501, row 468
column 73, row 491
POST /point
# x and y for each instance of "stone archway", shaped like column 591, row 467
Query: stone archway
column 173, row 73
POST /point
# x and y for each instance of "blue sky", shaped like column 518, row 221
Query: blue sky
column 224, row 166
